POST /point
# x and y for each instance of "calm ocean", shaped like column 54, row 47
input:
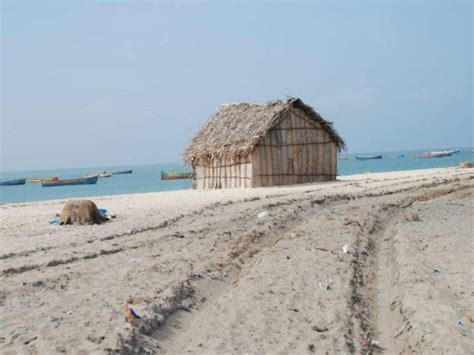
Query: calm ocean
column 146, row 178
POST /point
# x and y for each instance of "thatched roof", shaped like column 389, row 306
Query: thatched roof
column 237, row 128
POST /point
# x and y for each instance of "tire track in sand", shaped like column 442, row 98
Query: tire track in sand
column 373, row 324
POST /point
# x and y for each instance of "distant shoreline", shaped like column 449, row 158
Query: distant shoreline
column 125, row 166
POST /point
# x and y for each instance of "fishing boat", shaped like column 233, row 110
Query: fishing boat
column 368, row 157
column 122, row 172
column 51, row 178
column 67, row 182
column 13, row 182
column 447, row 151
column 103, row 174
column 435, row 154
column 174, row 175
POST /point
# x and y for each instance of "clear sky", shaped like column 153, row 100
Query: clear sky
column 91, row 83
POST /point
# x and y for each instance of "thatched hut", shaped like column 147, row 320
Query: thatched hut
column 278, row 143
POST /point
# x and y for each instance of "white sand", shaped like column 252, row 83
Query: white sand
column 208, row 276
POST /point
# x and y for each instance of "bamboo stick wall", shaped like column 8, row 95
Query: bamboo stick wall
column 222, row 173
column 296, row 151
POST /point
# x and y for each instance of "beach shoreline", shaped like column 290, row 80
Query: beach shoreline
column 146, row 179
column 229, row 192
column 247, row 270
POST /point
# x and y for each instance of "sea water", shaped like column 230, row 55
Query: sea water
column 147, row 178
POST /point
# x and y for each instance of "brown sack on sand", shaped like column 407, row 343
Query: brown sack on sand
column 81, row 212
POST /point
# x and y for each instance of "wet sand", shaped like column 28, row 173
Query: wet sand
column 207, row 275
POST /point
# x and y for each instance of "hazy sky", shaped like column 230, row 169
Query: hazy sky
column 89, row 83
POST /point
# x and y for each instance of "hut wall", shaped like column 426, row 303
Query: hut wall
column 296, row 151
column 222, row 173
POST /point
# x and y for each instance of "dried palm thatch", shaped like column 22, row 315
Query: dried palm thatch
column 237, row 128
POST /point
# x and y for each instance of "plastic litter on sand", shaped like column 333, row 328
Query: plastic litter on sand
column 262, row 214
column 325, row 285
column 130, row 315
column 55, row 220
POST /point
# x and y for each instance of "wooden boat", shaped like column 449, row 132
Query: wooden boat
column 435, row 154
column 103, row 174
column 51, row 178
column 173, row 175
column 123, row 172
column 447, row 151
column 13, row 182
column 67, row 182
column 369, row 157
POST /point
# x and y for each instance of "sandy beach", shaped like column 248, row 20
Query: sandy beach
column 376, row 263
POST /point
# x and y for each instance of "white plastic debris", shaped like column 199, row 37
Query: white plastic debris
column 325, row 285
column 262, row 214
column 345, row 249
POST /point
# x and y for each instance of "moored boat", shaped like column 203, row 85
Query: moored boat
column 369, row 157
column 447, row 151
column 435, row 154
column 13, row 182
column 103, row 174
column 122, row 172
column 67, row 182
column 51, row 178
column 174, row 175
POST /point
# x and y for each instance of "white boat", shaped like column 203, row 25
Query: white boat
column 435, row 154
column 103, row 174
column 447, row 151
